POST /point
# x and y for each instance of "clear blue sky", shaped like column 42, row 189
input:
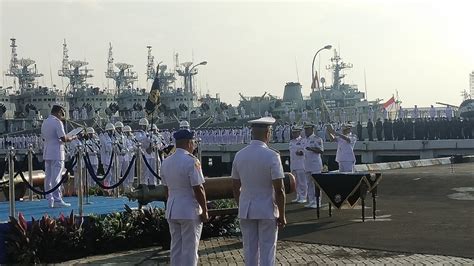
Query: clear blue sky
column 424, row 49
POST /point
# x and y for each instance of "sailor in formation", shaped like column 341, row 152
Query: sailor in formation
column 146, row 142
column 258, row 188
column 107, row 142
column 186, row 207
column 119, row 139
column 297, row 164
column 129, row 147
column 54, row 137
column 313, row 149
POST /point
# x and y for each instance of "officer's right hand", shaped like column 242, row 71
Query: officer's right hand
column 281, row 221
column 204, row 217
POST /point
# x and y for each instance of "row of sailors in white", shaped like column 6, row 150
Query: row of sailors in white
column 21, row 142
column 305, row 158
column 80, row 114
column 126, row 141
column 224, row 136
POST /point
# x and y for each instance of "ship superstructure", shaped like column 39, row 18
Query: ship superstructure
column 85, row 101
column 31, row 100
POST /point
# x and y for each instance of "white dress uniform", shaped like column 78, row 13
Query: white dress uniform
column 180, row 173
column 106, row 152
column 52, row 130
column 312, row 165
column 432, row 112
column 129, row 146
column 256, row 166
column 297, row 168
column 146, row 142
column 345, row 153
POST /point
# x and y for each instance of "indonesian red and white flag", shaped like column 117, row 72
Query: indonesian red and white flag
column 389, row 104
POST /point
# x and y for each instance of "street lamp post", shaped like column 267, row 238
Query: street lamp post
column 314, row 74
column 203, row 63
column 315, row 81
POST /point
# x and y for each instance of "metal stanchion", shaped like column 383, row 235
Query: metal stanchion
column 116, row 169
column 157, row 160
column 11, row 175
column 80, row 171
column 138, row 163
column 30, row 170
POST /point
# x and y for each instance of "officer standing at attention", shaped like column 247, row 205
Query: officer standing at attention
column 313, row 164
column 258, row 188
column 297, row 164
column 186, row 207
column 54, row 137
column 345, row 147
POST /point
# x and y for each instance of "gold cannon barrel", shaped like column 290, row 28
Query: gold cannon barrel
column 216, row 188
column 38, row 178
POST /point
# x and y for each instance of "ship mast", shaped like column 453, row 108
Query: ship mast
column 150, row 66
column 123, row 78
column 72, row 69
column 165, row 78
column 23, row 69
column 337, row 66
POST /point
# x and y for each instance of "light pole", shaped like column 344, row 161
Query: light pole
column 203, row 63
column 314, row 75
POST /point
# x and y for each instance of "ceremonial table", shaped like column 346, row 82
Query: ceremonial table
column 347, row 188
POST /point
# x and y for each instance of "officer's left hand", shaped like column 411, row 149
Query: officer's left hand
column 281, row 222
column 204, row 217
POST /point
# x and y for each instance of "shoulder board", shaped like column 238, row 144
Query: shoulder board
column 192, row 156
column 275, row 150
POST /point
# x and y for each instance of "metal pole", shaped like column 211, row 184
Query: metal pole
column 138, row 160
column 116, row 169
column 11, row 185
column 157, row 159
column 30, row 170
column 80, row 169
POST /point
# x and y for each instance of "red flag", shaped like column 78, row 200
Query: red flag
column 389, row 104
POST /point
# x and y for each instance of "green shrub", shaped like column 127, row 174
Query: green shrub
column 51, row 240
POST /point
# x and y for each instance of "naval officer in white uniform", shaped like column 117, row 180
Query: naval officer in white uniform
column 52, row 131
column 186, row 207
column 345, row 147
column 297, row 164
column 258, row 188
column 313, row 164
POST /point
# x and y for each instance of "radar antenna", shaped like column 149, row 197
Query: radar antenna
column 22, row 69
column 74, row 71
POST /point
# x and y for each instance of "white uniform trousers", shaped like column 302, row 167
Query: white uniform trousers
column 311, row 189
column 128, row 183
column 301, row 184
column 346, row 167
column 185, row 235
column 53, row 173
column 260, row 240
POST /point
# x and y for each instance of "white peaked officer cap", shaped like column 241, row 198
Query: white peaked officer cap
column 90, row 130
column 262, row 122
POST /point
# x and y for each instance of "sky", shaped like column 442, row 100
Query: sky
column 422, row 49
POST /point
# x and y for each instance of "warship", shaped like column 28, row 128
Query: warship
column 25, row 105
column 336, row 102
